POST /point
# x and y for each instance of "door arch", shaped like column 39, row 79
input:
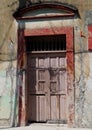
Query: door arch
column 24, row 31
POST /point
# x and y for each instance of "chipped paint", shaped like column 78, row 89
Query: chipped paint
column 8, row 27
column 70, row 66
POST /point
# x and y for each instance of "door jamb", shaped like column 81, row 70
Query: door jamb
column 22, row 33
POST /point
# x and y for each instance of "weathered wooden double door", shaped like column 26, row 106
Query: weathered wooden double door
column 47, row 87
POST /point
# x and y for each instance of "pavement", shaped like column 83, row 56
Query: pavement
column 45, row 127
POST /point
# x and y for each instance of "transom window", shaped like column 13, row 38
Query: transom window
column 46, row 43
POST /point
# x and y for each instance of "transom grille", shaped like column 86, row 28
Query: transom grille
column 46, row 43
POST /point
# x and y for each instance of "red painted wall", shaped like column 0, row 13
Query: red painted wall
column 90, row 37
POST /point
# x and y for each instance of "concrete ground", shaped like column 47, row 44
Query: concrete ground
column 45, row 127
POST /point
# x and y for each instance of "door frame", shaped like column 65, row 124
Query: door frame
column 48, row 116
column 22, row 66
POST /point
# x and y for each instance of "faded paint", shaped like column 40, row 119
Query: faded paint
column 21, row 70
column 8, row 69
column 81, row 76
column 87, row 116
column 32, row 24
column 70, row 66
column 90, row 37
column 84, row 63
column 7, row 94
column 45, row 12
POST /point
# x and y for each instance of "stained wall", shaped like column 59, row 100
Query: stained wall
column 9, row 80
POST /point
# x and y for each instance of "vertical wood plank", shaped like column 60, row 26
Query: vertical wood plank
column 63, row 108
column 54, row 108
column 48, row 81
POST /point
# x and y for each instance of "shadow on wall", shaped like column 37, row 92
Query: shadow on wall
column 24, row 3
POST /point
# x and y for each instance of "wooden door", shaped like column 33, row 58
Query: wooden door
column 47, row 91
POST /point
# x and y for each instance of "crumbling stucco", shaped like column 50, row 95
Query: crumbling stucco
column 8, row 64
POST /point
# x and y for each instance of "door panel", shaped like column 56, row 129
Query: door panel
column 37, row 108
column 47, row 91
column 63, row 108
column 37, row 88
column 32, row 108
column 41, row 108
column 54, row 107
column 62, row 81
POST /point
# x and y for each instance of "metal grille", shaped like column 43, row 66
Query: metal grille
column 46, row 43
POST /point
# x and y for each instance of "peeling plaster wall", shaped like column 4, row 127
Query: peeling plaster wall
column 8, row 64
column 83, row 68
column 87, row 117
column 7, row 93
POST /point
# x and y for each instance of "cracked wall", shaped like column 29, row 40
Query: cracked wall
column 8, row 64
column 8, row 56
